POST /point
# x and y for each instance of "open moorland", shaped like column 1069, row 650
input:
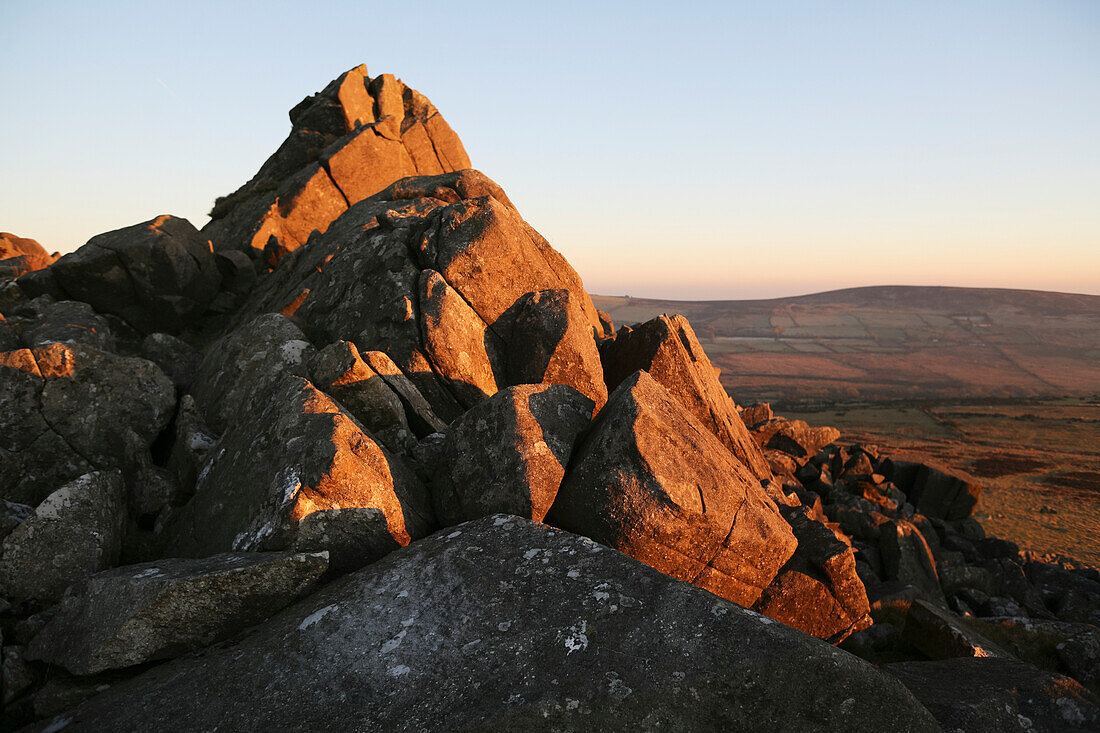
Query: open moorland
column 998, row 385
column 893, row 343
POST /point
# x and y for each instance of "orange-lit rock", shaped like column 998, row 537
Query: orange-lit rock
column 668, row 349
column 294, row 453
column 19, row 255
column 550, row 340
column 347, row 142
column 817, row 591
column 430, row 271
column 651, row 481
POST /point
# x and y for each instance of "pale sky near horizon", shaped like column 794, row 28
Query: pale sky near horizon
column 679, row 150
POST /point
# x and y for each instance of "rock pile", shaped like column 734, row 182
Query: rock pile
column 362, row 454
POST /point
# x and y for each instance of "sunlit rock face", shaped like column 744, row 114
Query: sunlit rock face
column 347, row 142
column 668, row 349
column 19, row 255
column 296, row 454
column 435, row 271
column 652, row 481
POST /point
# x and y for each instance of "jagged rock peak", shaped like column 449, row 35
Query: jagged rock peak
column 349, row 141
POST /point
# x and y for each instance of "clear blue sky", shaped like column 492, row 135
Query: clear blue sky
column 689, row 150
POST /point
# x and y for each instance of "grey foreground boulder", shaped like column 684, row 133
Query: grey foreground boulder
column 75, row 532
column 505, row 624
column 157, row 610
column 998, row 695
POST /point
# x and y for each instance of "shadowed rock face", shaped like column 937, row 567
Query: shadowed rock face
column 668, row 349
column 159, row 610
column 156, row 276
column 429, row 271
column 347, row 142
column 75, row 532
column 654, row 483
column 503, row 624
column 509, row 454
column 68, row 410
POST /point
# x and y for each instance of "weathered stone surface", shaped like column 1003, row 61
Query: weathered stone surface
column 159, row 610
column 192, row 445
column 756, row 413
column 552, row 341
column 423, row 271
column 933, row 492
column 296, row 453
column 907, row 558
column 75, row 532
column 939, row 635
column 66, row 321
column 175, row 357
column 14, row 673
column 510, row 625
column 465, row 353
column 793, row 437
column 341, row 373
column 157, row 276
column 19, row 255
column 818, row 590
column 668, row 349
column 347, row 142
column 67, row 410
column 352, row 537
column 12, row 515
column 509, row 454
column 418, row 412
column 651, row 481
column 997, row 694
column 242, row 366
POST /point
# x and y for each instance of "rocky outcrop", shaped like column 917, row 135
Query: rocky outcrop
column 428, row 271
column 509, row 454
column 132, row 615
column 668, row 349
column 156, row 276
column 68, row 410
column 652, row 481
column 298, row 453
column 347, row 142
column 75, row 532
column 19, row 256
column 511, row 625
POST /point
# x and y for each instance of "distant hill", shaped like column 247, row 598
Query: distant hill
column 893, row 343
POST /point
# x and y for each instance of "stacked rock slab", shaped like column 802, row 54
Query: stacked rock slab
column 347, row 142
column 651, row 481
column 668, row 349
column 428, row 271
